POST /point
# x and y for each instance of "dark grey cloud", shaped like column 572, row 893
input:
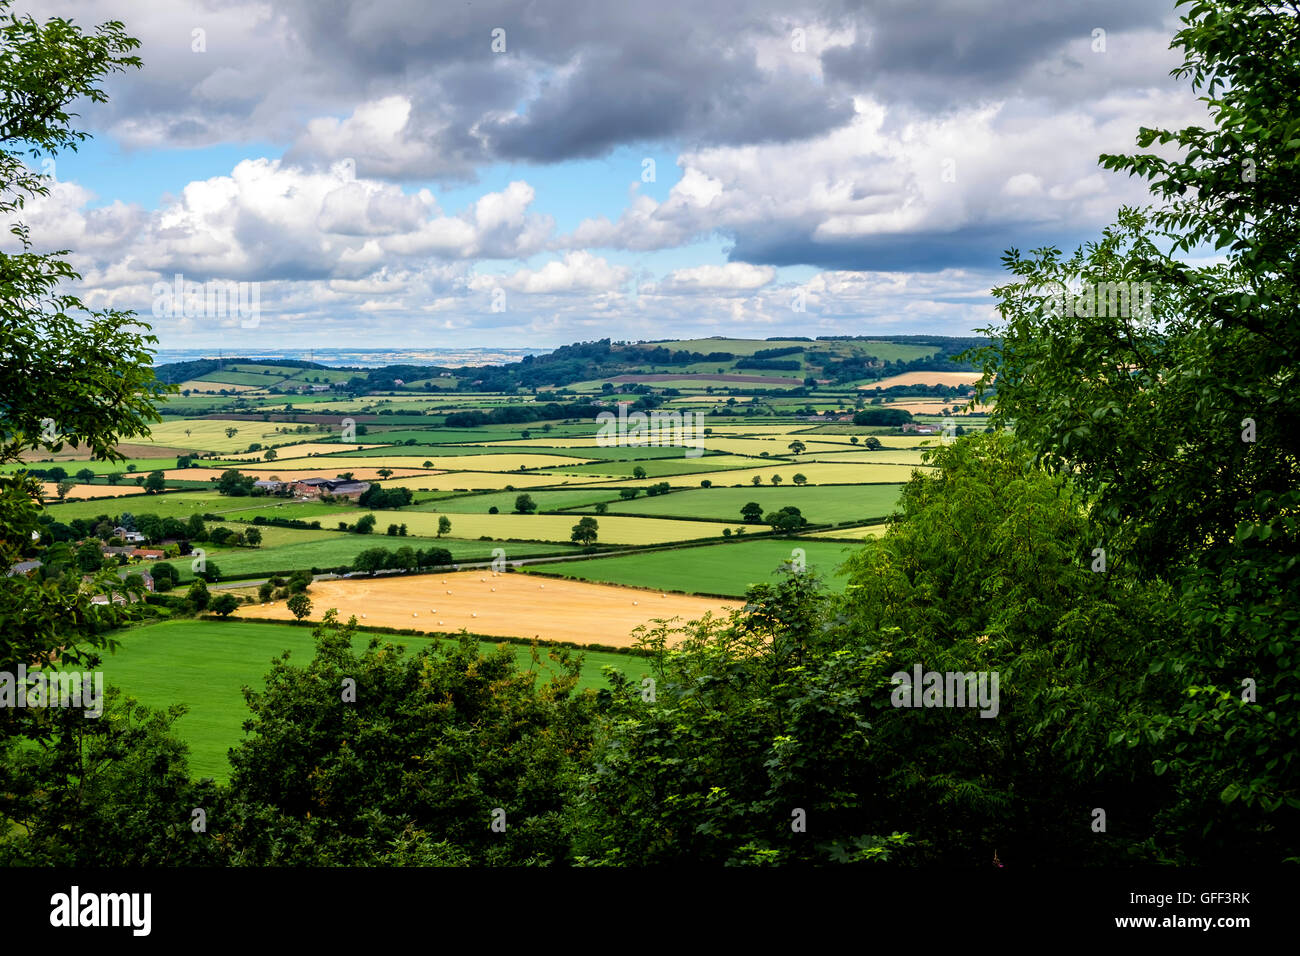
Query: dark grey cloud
column 581, row 77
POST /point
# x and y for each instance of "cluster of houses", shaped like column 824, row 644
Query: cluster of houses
column 316, row 487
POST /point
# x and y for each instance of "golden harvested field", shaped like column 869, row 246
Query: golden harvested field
column 817, row 473
column 610, row 529
column 503, row 605
column 83, row 492
column 286, row 473
column 926, row 378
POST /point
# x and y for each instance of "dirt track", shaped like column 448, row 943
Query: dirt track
column 520, row 606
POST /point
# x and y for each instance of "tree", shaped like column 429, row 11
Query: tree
column 85, row 476
column 800, row 479
column 210, row 572
column 223, row 604
column 235, row 484
column 797, row 447
column 752, row 511
column 525, row 505
column 365, row 524
column 788, row 519
column 882, row 416
column 270, row 454
column 584, row 532
column 164, row 576
column 444, row 525
column 392, row 531
column 264, row 591
column 601, row 507
column 90, row 556
column 756, row 480
column 300, row 605
column 63, row 487
column 485, row 731
column 384, row 472
column 872, row 443
column 253, row 536
column 776, row 479
column 155, row 482
column 638, row 472
column 197, row 596
column 1180, row 418
column 114, row 477
column 370, row 560
column 231, row 432
column 627, row 494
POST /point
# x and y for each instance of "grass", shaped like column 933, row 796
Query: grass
column 611, row 530
column 824, row 504
column 339, row 548
column 721, row 569
column 204, row 664
column 505, row 501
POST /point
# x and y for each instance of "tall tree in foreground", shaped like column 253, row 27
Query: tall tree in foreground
column 68, row 375
column 1182, row 421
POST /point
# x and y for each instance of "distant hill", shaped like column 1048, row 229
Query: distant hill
column 780, row 362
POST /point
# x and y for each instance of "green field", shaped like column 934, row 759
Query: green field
column 504, row 501
column 204, row 664
column 338, row 548
column 727, row 570
column 820, row 504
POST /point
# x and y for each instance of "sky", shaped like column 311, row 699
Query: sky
column 392, row 174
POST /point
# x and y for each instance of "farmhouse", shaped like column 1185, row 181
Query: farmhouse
column 150, row 554
column 130, row 537
column 331, row 487
column 921, row 429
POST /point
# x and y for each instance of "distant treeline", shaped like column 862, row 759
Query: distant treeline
column 175, row 372
column 521, row 414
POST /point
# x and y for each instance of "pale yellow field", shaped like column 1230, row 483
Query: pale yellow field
column 893, row 456
column 611, row 530
column 926, row 378
column 210, row 434
column 859, row 533
column 931, row 406
column 83, row 492
column 753, row 446
column 211, row 388
column 520, row 606
column 273, row 469
column 502, row 463
column 300, row 451
column 817, row 473
column 487, row 480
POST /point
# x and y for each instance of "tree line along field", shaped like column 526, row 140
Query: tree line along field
column 205, row 664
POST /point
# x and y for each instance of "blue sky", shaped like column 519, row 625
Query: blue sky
column 389, row 179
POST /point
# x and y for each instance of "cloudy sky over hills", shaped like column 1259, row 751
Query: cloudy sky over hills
column 534, row 173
